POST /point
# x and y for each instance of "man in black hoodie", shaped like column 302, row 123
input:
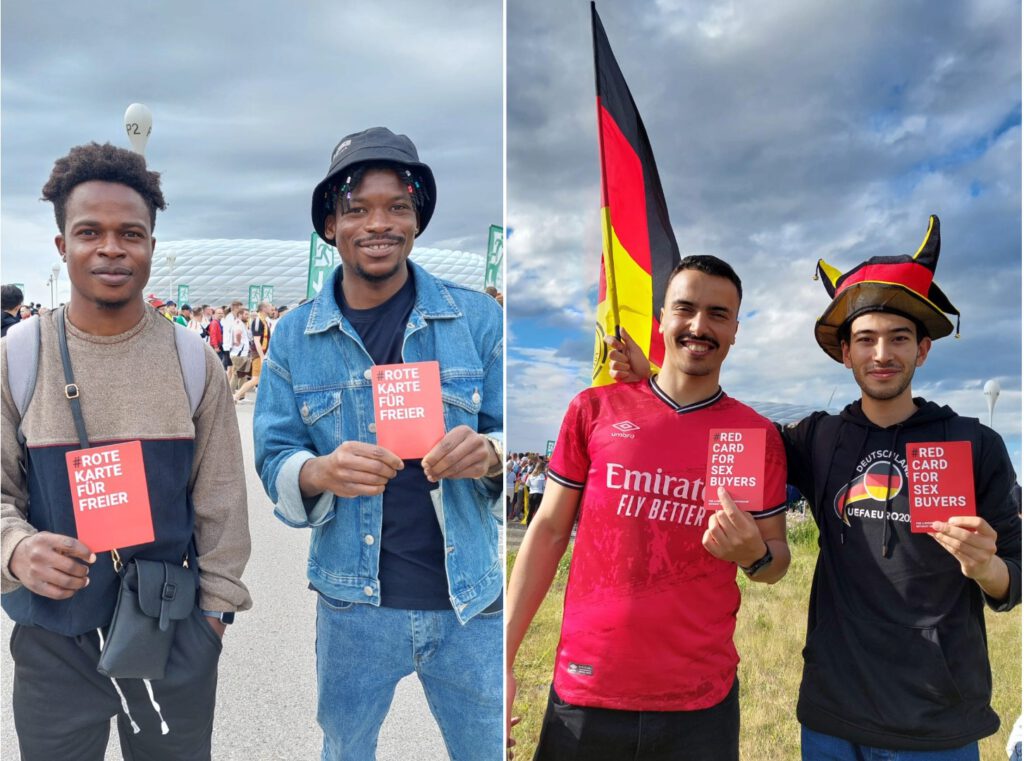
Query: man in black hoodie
column 896, row 661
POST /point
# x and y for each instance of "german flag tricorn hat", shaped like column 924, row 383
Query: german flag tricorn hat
column 898, row 284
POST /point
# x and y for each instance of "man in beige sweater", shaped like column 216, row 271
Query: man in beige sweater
column 61, row 593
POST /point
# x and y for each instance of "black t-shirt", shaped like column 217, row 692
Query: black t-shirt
column 412, row 574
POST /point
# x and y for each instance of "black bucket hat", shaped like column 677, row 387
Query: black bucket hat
column 374, row 144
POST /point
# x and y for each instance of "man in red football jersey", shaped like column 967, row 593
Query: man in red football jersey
column 646, row 665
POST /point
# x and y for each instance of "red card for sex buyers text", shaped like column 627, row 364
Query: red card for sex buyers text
column 110, row 497
column 407, row 401
column 736, row 462
column 940, row 477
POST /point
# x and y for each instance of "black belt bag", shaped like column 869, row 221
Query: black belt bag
column 154, row 596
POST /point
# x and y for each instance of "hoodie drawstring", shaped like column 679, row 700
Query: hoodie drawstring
column 888, row 493
column 164, row 729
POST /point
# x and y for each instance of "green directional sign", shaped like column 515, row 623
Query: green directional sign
column 321, row 262
column 182, row 294
column 495, row 254
column 267, row 294
column 551, row 448
column 254, row 296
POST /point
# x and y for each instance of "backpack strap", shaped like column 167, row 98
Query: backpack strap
column 22, row 347
column 192, row 359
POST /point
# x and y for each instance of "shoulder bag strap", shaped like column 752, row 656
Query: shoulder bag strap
column 71, row 389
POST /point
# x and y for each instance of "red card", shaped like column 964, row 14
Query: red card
column 110, row 497
column 736, row 461
column 407, row 401
column 940, row 479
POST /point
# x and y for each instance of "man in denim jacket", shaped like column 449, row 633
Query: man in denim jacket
column 404, row 554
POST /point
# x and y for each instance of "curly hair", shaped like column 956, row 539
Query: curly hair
column 107, row 163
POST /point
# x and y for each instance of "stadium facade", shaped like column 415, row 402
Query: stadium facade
column 220, row 271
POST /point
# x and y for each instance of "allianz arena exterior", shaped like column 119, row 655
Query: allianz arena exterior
column 220, row 271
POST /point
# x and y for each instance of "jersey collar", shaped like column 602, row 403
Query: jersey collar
column 683, row 409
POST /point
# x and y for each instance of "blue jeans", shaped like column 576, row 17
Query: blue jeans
column 815, row 746
column 363, row 651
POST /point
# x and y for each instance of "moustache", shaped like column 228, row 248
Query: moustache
column 694, row 337
column 396, row 239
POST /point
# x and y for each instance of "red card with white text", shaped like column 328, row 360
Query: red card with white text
column 110, row 497
column 940, row 482
column 736, row 461
column 407, row 402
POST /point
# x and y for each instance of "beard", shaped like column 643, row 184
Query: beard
column 377, row 277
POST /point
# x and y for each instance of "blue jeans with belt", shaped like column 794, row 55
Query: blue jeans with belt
column 362, row 652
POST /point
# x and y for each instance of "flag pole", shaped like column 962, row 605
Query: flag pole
column 609, row 260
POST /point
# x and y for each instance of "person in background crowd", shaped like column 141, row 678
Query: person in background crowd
column 215, row 336
column 259, row 330
column 11, row 299
column 537, row 481
column 241, row 359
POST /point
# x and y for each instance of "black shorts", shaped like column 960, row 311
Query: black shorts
column 579, row 733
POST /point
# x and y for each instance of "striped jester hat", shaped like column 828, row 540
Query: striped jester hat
column 899, row 284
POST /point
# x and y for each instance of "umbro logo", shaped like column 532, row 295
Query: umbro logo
column 625, row 429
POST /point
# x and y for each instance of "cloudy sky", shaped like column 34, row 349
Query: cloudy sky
column 784, row 132
column 248, row 101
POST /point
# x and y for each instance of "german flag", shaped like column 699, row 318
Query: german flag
column 639, row 248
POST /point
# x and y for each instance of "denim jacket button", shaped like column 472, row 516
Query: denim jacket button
column 305, row 410
column 449, row 550
column 367, row 374
column 476, row 397
column 368, row 591
column 368, row 538
column 411, row 325
column 372, row 427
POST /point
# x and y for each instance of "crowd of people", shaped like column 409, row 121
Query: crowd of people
column 526, row 474
column 239, row 336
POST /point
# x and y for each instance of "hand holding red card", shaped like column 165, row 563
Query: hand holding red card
column 110, row 497
column 940, row 479
column 407, row 402
column 736, row 463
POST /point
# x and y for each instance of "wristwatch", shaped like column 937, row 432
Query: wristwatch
column 499, row 450
column 224, row 618
column 757, row 565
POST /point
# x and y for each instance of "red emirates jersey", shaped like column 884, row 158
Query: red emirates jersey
column 649, row 613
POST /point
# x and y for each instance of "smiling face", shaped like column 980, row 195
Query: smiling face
column 699, row 322
column 374, row 229
column 108, row 245
column 883, row 352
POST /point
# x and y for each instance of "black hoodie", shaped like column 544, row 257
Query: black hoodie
column 896, row 654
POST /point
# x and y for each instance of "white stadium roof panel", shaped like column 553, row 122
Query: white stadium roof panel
column 218, row 271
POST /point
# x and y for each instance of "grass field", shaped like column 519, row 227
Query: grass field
column 769, row 635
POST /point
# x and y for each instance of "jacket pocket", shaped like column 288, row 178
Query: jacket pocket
column 888, row 676
column 464, row 393
column 321, row 411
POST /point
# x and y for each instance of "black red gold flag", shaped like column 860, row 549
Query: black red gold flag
column 639, row 248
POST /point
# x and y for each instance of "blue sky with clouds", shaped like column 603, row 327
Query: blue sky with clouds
column 784, row 132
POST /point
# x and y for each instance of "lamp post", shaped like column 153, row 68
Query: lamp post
column 53, row 293
column 49, row 284
column 991, row 390
column 171, row 259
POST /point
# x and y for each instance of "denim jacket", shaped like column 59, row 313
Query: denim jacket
column 315, row 394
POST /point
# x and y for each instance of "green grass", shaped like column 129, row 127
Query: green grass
column 769, row 636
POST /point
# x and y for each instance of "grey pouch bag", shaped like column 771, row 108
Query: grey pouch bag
column 154, row 596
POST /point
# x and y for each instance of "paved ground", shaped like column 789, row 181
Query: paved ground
column 266, row 707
